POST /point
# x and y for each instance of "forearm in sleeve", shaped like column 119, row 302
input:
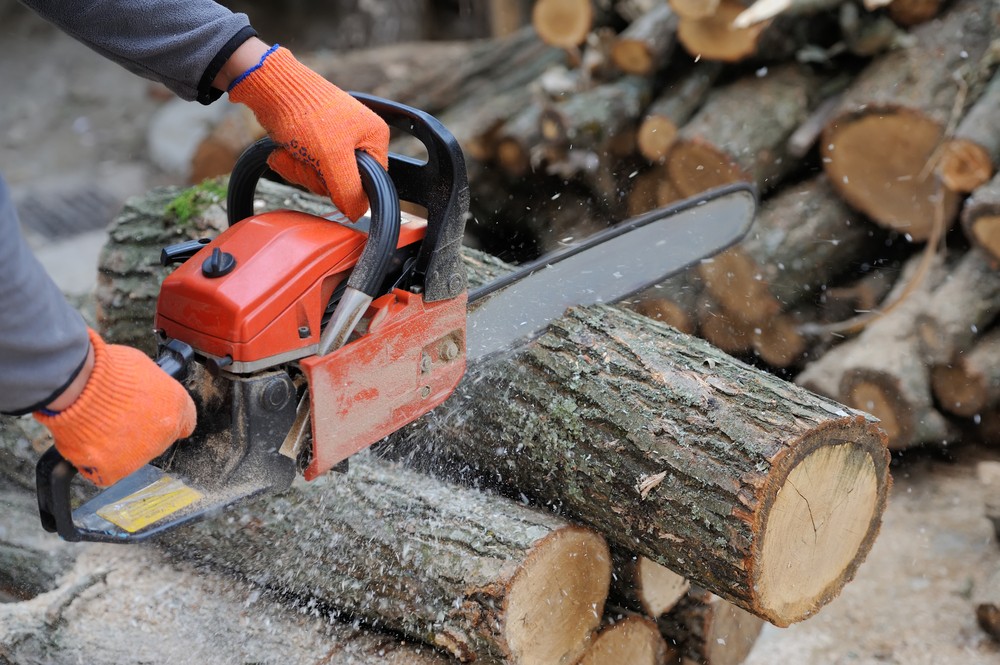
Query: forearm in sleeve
column 181, row 43
column 43, row 340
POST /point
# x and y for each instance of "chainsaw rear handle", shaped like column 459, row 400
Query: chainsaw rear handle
column 440, row 185
column 54, row 474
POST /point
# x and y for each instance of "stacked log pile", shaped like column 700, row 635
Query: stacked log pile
column 869, row 131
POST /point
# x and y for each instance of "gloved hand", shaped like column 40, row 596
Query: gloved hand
column 129, row 412
column 318, row 125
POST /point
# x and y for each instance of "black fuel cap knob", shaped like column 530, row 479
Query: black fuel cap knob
column 218, row 264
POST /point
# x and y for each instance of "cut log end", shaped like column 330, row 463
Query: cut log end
column 695, row 167
column 715, row 38
column 872, row 396
column 985, row 232
column 965, row 165
column 658, row 587
column 633, row 56
column 655, row 138
column 820, row 523
column 563, row 23
column 959, row 391
column 734, row 281
column 633, row 640
column 877, row 161
column 662, row 309
column 557, row 597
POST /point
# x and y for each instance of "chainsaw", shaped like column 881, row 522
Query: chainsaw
column 305, row 339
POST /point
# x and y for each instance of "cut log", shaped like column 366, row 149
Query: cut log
column 645, row 47
column 472, row 574
column 642, row 585
column 882, row 370
column 617, row 418
column 564, row 23
column 970, row 156
column 981, row 217
column 803, row 238
column 962, row 306
column 708, row 630
column 672, row 109
column 733, row 138
column 725, row 331
column 878, row 148
column 970, row 383
column 655, row 494
column 634, row 640
column 592, row 118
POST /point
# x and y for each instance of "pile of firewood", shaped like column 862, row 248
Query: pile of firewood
column 869, row 131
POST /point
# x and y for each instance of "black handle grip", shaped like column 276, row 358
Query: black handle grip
column 440, row 185
column 53, row 476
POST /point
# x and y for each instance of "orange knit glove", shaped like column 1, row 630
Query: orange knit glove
column 129, row 412
column 317, row 125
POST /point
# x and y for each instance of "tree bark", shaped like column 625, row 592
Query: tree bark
column 960, row 308
column 877, row 148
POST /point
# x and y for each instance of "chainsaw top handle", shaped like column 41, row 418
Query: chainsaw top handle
column 439, row 184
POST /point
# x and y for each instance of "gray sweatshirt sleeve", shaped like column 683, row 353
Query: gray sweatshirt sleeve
column 43, row 341
column 181, row 43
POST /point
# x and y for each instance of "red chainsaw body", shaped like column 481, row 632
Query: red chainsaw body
column 288, row 264
column 409, row 361
column 406, row 355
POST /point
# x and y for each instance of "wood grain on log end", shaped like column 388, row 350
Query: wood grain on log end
column 877, row 161
column 562, row 586
column 714, row 37
column 657, row 587
column 735, row 281
column 655, row 137
column 958, row 389
column 667, row 311
column 964, row 165
column 563, row 23
column 696, row 166
column 820, row 521
column 633, row 640
column 779, row 342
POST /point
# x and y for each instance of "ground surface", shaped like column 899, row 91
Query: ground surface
column 73, row 125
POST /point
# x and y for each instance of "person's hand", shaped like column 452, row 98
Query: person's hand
column 129, row 412
column 317, row 125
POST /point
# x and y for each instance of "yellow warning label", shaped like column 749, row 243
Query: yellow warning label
column 150, row 504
